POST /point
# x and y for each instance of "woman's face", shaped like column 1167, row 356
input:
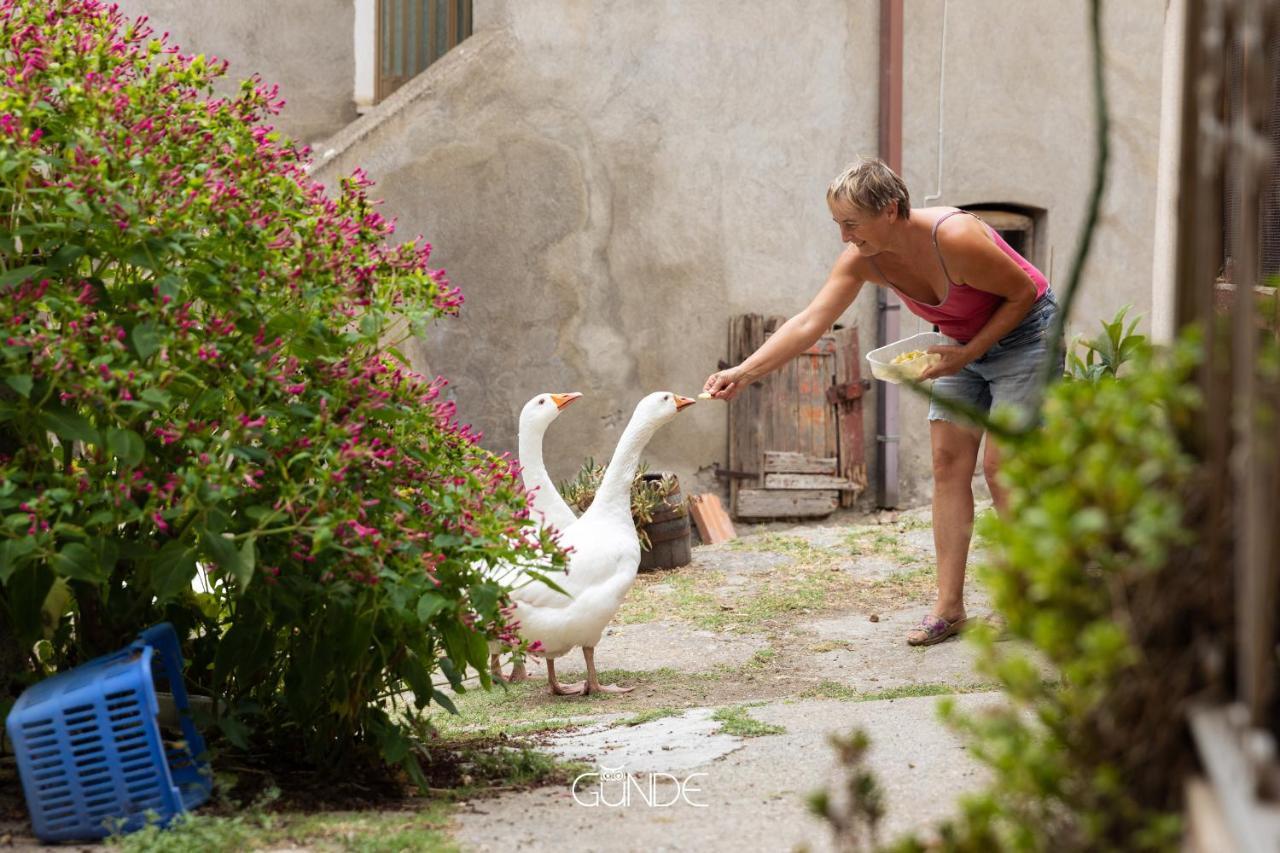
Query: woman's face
column 866, row 231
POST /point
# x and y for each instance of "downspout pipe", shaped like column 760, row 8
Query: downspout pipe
column 888, row 308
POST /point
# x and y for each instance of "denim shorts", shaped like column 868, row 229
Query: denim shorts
column 1010, row 373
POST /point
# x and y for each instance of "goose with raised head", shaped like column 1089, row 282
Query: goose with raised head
column 604, row 553
column 549, row 508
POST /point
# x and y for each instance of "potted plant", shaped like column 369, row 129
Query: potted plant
column 657, row 508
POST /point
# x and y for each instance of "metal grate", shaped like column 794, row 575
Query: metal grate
column 412, row 34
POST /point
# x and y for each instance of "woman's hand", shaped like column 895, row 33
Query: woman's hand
column 726, row 384
column 954, row 358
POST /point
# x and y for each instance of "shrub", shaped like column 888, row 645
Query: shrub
column 1103, row 355
column 194, row 374
column 1096, row 568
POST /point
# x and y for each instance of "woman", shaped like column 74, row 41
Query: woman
column 955, row 272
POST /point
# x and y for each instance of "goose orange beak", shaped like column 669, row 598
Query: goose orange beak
column 562, row 400
column 681, row 402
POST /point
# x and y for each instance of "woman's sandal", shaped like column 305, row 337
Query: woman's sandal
column 934, row 629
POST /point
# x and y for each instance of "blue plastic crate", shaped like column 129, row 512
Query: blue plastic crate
column 89, row 748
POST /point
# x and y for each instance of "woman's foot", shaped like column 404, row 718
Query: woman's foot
column 934, row 629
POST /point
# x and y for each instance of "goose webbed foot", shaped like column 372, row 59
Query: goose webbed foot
column 559, row 689
column 593, row 683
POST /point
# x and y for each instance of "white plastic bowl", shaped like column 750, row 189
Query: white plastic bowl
column 881, row 360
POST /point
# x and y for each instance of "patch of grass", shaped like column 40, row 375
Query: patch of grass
column 829, row 646
column 762, row 658
column 801, row 588
column 778, row 543
column 827, row 689
column 917, row 584
column 257, row 829
column 835, row 690
column 670, row 595
column 734, row 720
column 651, row 715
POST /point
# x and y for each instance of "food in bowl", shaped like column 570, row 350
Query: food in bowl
column 908, row 356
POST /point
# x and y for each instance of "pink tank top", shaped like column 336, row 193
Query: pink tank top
column 964, row 310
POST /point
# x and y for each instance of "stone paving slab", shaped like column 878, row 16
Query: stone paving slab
column 754, row 796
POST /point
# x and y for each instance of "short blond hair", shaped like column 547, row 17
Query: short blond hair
column 871, row 185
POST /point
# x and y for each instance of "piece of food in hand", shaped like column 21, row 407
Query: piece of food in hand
column 705, row 395
column 908, row 356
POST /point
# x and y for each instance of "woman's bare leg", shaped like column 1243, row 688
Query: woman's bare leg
column 991, row 469
column 955, row 457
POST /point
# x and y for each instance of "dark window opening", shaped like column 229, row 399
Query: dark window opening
column 1021, row 227
column 412, row 34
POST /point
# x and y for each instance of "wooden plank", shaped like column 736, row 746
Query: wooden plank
column 711, row 520
column 1234, row 776
column 850, row 445
column 1207, row 830
column 785, row 503
column 746, row 333
column 807, row 481
column 786, row 462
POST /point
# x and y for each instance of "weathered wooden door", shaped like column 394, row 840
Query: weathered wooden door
column 806, row 416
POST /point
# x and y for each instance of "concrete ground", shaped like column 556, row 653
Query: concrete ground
column 796, row 629
column 744, row 663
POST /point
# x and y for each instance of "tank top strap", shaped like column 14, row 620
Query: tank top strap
column 941, row 219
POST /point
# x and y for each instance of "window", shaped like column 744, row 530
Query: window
column 1017, row 224
column 412, row 34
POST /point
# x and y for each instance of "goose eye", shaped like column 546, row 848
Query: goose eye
column 541, row 402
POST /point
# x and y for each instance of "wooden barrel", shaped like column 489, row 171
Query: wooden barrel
column 669, row 532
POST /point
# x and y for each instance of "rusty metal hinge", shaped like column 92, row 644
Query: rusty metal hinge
column 848, row 391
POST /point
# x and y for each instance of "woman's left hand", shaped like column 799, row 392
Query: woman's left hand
column 954, row 358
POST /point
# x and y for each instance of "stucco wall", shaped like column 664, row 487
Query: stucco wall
column 1018, row 127
column 608, row 182
column 306, row 46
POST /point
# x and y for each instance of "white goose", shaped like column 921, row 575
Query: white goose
column 604, row 553
column 549, row 509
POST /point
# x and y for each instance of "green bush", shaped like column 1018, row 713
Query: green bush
column 1095, row 568
column 194, row 374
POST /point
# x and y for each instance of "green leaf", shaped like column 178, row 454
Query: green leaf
column 222, row 550
column 77, row 562
column 19, row 275
column 155, row 397
column 66, row 256
column 146, row 339
column 67, row 424
column 236, row 731
column 442, row 699
column 11, row 553
column 478, row 653
column 484, row 598
column 429, row 605
column 172, row 569
column 55, row 605
column 27, row 589
column 455, row 644
column 21, row 383
column 415, row 673
column 248, row 560
column 126, row 445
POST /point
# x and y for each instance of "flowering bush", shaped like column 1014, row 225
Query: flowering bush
column 194, row 376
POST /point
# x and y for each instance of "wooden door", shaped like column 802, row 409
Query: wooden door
column 791, row 415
